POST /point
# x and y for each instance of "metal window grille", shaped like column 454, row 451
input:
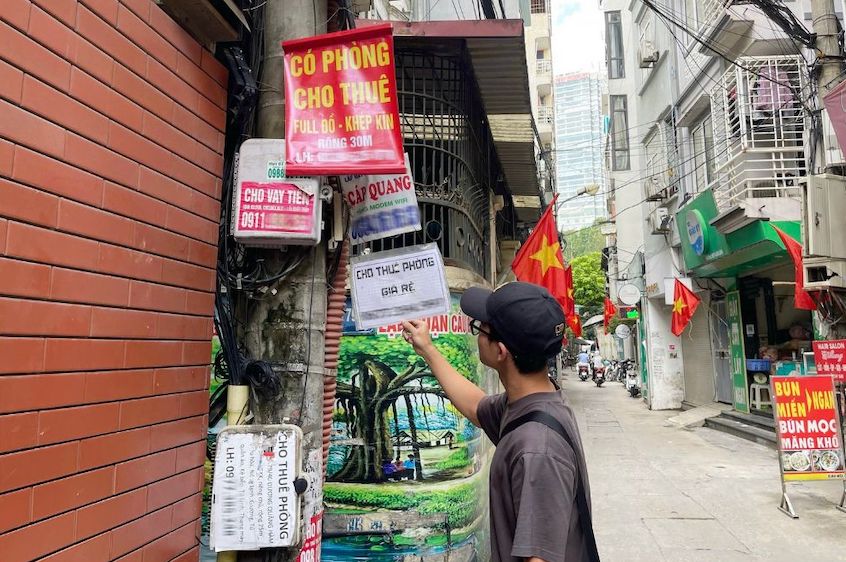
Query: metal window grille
column 540, row 6
column 759, row 129
column 453, row 162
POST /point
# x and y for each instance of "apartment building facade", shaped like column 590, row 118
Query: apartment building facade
column 709, row 111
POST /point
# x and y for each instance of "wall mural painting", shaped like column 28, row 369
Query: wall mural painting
column 405, row 472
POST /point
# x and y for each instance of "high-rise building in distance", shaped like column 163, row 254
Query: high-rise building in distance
column 579, row 139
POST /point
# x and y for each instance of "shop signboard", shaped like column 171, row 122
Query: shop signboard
column 254, row 503
column 381, row 206
column 738, row 355
column 341, row 111
column 701, row 242
column 402, row 284
column 830, row 359
column 808, row 428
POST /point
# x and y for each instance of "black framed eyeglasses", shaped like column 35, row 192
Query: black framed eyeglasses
column 476, row 329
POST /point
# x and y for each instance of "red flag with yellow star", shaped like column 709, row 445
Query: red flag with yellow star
column 569, row 293
column 801, row 299
column 608, row 313
column 684, row 305
column 539, row 261
column 575, row 324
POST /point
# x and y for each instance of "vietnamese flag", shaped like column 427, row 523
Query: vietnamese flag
column 539, row 261
column 801, row 299
column 610, row 311
column 569, row 292
column 684, row 305
column 575, row 324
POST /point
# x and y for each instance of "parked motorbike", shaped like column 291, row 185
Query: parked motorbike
column 613, row 371
column 632, row 384
column 626, row 366
column 584, row 372
column 599, row 375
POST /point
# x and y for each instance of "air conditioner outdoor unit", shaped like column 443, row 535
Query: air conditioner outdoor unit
column 648, row 54
column 824, row 273
column 659, row 220
column 822, row 216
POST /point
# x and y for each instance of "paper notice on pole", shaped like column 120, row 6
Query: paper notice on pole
column 381, row 206
column 313, row 510
column 403, row 284
column 254, row 504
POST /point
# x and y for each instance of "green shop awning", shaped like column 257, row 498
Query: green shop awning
column 709, row 253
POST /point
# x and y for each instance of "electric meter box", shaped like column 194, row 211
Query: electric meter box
column 270, row 209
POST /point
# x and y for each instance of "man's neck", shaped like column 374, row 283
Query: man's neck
column 518, row 385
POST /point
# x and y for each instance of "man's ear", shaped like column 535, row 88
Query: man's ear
column 501, row 351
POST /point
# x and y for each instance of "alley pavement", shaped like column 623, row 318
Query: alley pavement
column 693, row 495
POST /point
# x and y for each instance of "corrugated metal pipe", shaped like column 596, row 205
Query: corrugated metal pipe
column 334, row 322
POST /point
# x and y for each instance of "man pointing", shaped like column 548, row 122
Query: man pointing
column 539, row 492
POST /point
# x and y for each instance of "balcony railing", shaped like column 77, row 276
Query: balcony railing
column 543, row 66
column 710, row 13
column 546, row 114
column 759, row 129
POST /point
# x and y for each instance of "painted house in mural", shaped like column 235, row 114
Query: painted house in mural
column 406, row 474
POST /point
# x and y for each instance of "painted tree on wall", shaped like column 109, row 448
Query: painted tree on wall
column 374, row 372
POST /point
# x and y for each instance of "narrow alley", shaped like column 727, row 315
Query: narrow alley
column 666, row 494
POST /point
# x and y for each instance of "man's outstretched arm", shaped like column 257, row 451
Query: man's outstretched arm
column 463, row 394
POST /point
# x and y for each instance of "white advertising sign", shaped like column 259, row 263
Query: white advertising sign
column 403, row 284
column 381, row 206
column 254, row 504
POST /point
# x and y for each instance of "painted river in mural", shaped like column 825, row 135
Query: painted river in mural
column 406, row 472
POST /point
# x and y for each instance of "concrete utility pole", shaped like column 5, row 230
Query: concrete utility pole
column 828, row 49
column 825, row 27
column 287, row 329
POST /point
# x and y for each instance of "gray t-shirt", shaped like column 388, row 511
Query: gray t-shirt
column 533, row 481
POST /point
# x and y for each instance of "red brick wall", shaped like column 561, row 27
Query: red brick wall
column 111, row 121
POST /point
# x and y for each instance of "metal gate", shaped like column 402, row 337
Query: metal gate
column 722, row 350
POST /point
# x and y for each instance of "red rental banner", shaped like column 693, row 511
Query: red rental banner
column 830, row 358
column 808, row 428
column 341, row 111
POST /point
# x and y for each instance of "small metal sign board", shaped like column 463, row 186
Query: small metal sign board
column 254, row 503
column 623, row 331
column 629, row 294
column 402, row 284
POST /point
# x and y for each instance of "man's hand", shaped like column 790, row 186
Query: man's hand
column 463, row 394
column 416, row 332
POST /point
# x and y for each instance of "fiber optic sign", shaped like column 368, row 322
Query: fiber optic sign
column 254, row 503
column 341, row 111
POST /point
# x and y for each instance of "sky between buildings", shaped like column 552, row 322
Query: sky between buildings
column 577, row 43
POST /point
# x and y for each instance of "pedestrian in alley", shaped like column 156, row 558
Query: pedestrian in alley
column 539, row 491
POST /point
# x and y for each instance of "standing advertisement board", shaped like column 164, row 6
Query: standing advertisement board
column 341, row 110
column 738, row 354
column 810, row 439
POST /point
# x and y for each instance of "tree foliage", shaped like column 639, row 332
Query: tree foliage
column 583, row 241
column 589, row 283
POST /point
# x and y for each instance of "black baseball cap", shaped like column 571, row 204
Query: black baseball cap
column 523, row 316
